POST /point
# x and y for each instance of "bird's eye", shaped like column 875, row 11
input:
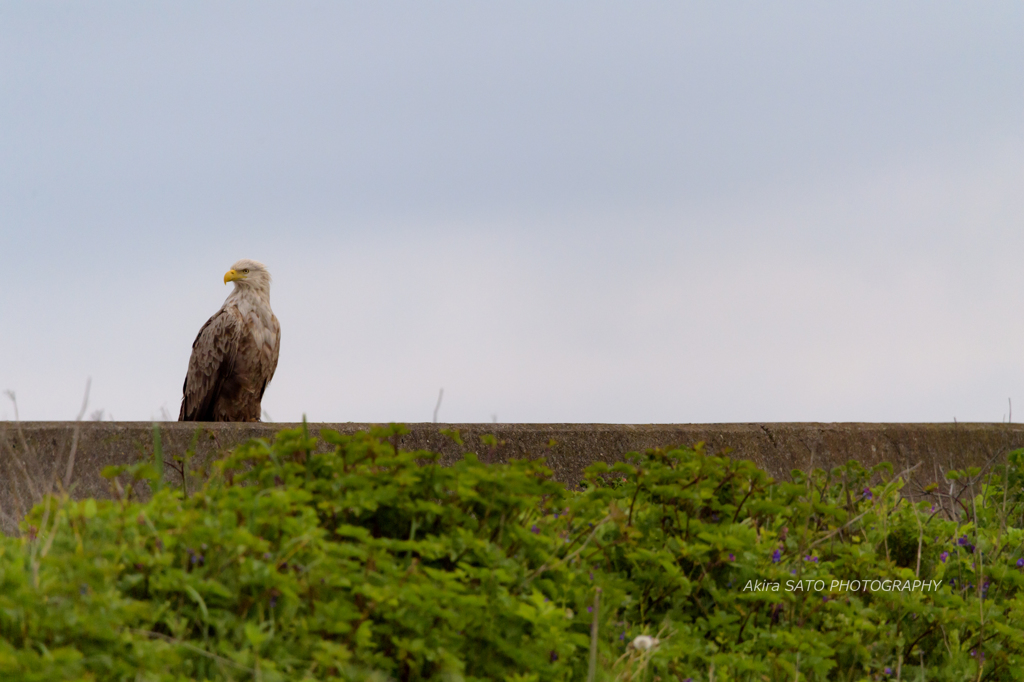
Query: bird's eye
column 246, row 271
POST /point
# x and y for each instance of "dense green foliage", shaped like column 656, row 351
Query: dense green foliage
column 367, row 563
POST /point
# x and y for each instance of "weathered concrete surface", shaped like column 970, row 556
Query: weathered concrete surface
column 43, row 447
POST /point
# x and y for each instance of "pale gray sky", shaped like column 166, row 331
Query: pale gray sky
column 607, row 212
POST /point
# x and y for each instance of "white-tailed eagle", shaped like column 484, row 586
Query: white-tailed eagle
column 235, row 354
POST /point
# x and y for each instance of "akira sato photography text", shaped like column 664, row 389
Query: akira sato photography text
column 843, row 586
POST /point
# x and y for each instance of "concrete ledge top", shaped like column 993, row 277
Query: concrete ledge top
column 35, row 453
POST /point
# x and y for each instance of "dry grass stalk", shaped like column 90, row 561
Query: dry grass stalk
column 37, row 491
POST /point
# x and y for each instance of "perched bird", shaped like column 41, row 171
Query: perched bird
column 235, row 354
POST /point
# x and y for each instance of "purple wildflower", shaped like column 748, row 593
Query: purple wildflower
column 945, row 555
column 888, row 671
column 776, row 557
column 732, row 557
column 534, row 529
column 867, row 494
column 1020, row 563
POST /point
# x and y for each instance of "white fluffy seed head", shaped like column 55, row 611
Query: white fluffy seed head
column 644, row 642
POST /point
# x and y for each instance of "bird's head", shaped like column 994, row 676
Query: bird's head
column 248, row 273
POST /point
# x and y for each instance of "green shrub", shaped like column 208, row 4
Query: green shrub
column 367, row 563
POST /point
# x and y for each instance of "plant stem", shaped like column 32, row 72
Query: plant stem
column 592, row 669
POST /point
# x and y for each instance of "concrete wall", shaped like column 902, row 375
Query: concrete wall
column 43, row 447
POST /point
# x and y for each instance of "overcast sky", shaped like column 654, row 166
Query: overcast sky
column 555, row 211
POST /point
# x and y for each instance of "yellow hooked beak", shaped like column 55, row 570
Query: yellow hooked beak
column 232, row 275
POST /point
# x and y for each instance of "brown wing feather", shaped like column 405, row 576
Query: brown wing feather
column 272, row 350
column 213, row 356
